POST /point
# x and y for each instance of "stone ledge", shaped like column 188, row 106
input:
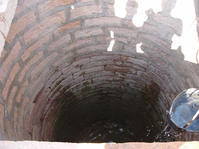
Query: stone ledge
column 56, row 145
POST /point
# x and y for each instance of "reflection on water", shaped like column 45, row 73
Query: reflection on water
column 107, row 131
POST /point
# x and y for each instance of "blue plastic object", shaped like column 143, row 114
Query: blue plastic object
column 184, row 111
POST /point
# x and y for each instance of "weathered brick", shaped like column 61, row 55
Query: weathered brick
column 137, row 61
column 94, row 69
column 9, row 129
column 10, row 80
column 49, row 5
column 124, row 32
column 16, row 122
column 41, row 66
column 11, row 98
column 122, row 69
column 21, row 116
column 88, row 32
column 63, row 40
column 83, row 1
column 20, row 25
column 120, row 39
column 63, row 59
column 85, row 11
column 38, row 83
column 103, row 39
column 93, row 48
column 9, row 61
column 55, row 19
column 103, row 21
column 109, row 1
column 29, row 64
column 110, row 10
column 3, row 53
column 26, row 4
column 1, row 118
column 173, row 23
column 21, row 91
column 80, row 43
column 157, row 40
column 33, row 47
column 69, row 26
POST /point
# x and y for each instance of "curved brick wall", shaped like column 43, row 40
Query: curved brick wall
column 57, row 48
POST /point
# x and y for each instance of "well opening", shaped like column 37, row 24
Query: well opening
column 109, row 115
column 106, row 98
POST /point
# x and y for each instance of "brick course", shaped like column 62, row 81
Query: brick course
column 9, row 61
column 28, row 65
column 88, row 32
column 21, row 91
column 33, row 47
column 20, row 25
column 55, row 19
column 10, row 80
column 50, row 5
column 103, row 21
column 68, row 27
column 2, row 118
column 85, row 11
column 11, row 99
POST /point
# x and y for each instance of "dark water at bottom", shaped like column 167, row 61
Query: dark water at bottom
column 126, row 117
column 107, row 131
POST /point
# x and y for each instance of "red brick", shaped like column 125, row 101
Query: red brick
column 21, row 91
column 29, row 64
column 37, row 85
column 21, row 116
column 16, row 122
column 55, row 19
column 62, row 59
column 64, row 39
column 124, row 32
column 20, row 25
column 93, row 48
column 85, row 11
column 10, row 80
column 1, row 118
column 26, row 4
column 123, row 69
column 51, row 4
column 41, row 66
column 9, row 129
column 88, row 32
column 69, row 26
column 85, row 1
column 33, row 47
column 103, row 21
column 11, row 98
column 3, row 54
column 9, row 61
column 79, row 43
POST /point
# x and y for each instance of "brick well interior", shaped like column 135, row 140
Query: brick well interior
column 69, row 64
